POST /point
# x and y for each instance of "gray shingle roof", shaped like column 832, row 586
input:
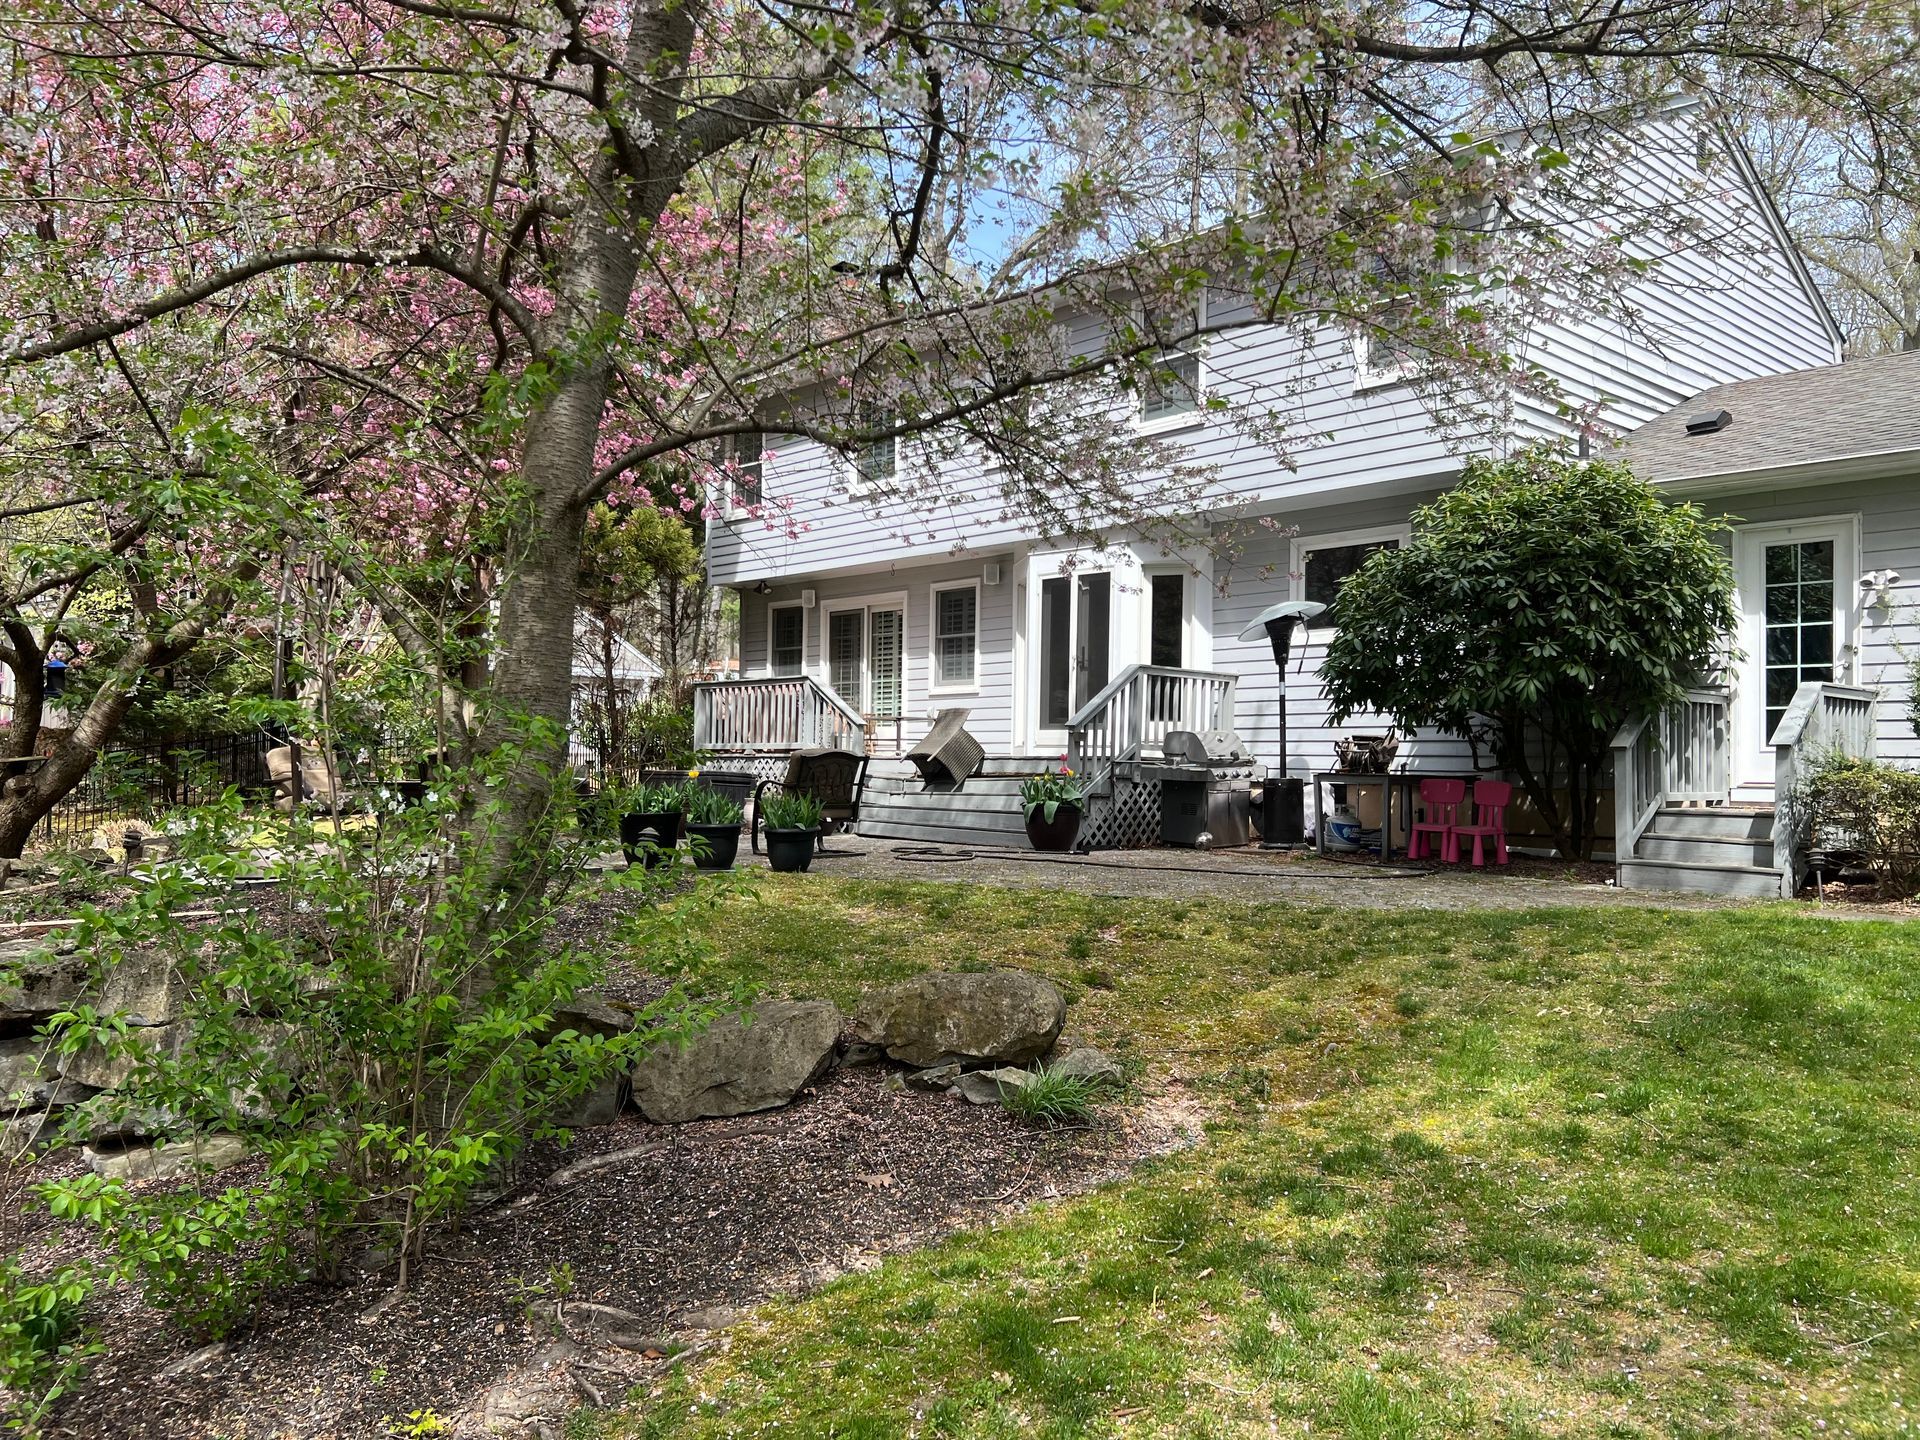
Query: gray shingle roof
column 1862, row 407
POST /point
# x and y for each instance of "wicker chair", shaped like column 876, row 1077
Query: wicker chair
column 833, row 777
column 947, row 754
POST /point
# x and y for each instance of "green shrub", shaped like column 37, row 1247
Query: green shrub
column 42, row 1346
column 785, row 810
column 1052, row 1099
column 1868, row 806
column 372, row 1033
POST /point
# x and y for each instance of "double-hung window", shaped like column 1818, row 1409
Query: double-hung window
column 786, row 639
column 1325, row 563
column 744, row 455
column 876, row 463
column 956, row 636
column 1170, row 390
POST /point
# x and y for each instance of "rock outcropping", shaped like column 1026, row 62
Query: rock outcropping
column 999, row 1017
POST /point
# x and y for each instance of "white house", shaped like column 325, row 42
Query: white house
column 847, row 631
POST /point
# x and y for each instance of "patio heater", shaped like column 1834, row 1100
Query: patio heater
column 1283, row 810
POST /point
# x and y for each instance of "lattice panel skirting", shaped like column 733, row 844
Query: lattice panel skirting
column 1128, row 819
column 761, row 767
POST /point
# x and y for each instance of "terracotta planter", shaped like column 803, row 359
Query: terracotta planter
column 649, row 837
column 1057, row 834
column 790, row 850
column 722, row 845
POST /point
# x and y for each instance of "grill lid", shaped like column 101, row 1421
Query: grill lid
column 1217, row 749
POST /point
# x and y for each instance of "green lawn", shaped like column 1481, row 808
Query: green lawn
column 1562, row 1172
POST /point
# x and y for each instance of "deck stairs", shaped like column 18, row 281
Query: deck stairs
column 1707, row 849
column 1677, row 823
column 982, row 810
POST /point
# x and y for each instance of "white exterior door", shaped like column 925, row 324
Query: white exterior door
column 1799, row 598
column 1073, row 653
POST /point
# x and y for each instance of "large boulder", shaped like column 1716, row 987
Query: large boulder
column 36, row 984
column 145, row 987
column 167, row 1160
column 739, row 1063
column 94, row 1065
column 1004, row 1017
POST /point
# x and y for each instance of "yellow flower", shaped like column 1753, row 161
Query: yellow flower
column 693, row 774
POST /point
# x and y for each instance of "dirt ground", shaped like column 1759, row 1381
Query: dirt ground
column 691, row 1222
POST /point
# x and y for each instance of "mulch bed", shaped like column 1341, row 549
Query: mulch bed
column 713, row 1214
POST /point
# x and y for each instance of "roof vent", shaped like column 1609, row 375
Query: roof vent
column 1709, row 422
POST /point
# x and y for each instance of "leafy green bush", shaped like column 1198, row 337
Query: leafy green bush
column 1869, row 807
column 382, row 1046
column 1539, row 606
column 786, row 810
column 42, row 1347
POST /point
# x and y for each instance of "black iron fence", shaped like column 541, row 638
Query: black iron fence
column 143, row 779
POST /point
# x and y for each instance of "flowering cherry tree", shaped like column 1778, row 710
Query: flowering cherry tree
column 446, row 274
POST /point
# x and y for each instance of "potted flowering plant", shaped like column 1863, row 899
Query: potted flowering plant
column 650, row 824
column 793, row 825
column 1053, row 803
column 713, row 824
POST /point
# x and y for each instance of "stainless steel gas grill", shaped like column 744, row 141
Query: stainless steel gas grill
column 1206, row 789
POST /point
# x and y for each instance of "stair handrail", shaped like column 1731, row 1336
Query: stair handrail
column 1140, row 705
column 774, row 713
column 1823, row 718
column 1683, row 753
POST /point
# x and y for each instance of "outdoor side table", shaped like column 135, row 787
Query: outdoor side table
column 1386, row 783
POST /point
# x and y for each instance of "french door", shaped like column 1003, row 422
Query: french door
column 1798, row 592
column 865, row 652
column 1075, row 649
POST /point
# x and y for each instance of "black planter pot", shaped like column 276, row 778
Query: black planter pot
column 649, row 837
column 723, row 844
column 1058, row 833
column 790, row 850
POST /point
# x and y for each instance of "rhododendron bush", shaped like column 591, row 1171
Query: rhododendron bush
column 438, row 278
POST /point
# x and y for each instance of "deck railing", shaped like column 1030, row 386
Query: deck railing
column 794, row 712
column 1823, row 719
column 1139, row 707
column 1684, row 754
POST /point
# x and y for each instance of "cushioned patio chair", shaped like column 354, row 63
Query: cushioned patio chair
column 835, row 778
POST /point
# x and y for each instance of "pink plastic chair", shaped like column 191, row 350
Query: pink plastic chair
column 1490, row 801
column 1440, row 801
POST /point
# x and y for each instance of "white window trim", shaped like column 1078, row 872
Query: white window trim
column 773, row 672
column 859, row 487
column 1189, row 617
column 1305, row 545
column 1197, row 347
column 934, row 592
column 731, row 508
column 1367, row 377
column 890, row 600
